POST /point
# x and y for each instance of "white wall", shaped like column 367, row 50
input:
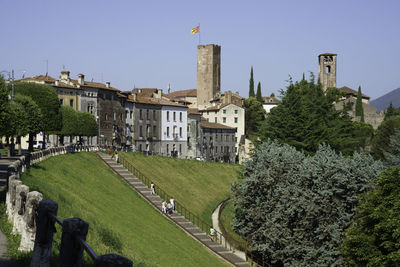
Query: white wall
column 171, row 123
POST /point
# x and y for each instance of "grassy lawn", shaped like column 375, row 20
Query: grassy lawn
column 120, row 221
column 200, row 186
column 226, row 220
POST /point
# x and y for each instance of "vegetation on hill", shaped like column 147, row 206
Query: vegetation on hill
column 385, row 131
column 200, row 186
column 293, row 208
column 120, row 221
column 374, row 239
column 307, row 117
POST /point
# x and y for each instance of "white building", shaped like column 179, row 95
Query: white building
column 269, row 103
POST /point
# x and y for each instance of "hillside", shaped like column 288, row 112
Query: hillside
column 198, row 185
column 381, row 103
column 120, row 221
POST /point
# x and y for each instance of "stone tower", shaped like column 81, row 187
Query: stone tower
column 327, row 70
column 208, row 73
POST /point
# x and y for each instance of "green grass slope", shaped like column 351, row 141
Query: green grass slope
column 199, row 186
column 120, row 221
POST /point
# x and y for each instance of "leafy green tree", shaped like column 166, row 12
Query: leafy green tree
column 306, row 118
column 4, row 107
column 27, row 118
column 359, row 106
column 259, row 95
column 374, row 239
column 251, row 84
column 385, row 131
column 46, row 98
column 392, row 156
column 87, row 125
column 391, row 111
column 254, row 115
column 293, row 208
column 69, row 122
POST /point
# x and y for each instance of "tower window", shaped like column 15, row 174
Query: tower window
column 328, row 69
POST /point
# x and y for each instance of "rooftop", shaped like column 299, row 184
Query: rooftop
column 350, row 91
column 213, row 125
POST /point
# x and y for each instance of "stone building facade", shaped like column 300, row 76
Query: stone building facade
column 218, row 142
column 194, row 134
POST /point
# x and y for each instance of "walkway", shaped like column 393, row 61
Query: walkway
column 191, row 229
column 215, row 222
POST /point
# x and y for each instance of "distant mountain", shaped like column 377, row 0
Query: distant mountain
column 381, row 103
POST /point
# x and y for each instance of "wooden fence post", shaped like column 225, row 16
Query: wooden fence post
column 44, row 233
column 113, row 260
column 71, row 250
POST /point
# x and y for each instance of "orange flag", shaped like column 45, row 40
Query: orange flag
column 195, row 30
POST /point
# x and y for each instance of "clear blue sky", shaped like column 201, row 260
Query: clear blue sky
column 148, row 43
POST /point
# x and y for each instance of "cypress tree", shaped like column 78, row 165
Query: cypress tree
column 359, row 107
column 259, row 95
column 251, row 86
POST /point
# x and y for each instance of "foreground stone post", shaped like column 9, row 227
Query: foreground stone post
column 113, row 260
column 21, row 192
column 9, row 196
column 28, row 232
column 44, row 233
column 71, row 250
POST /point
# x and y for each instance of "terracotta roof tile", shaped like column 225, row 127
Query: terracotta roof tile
column 157, row 101
column 271, row 100
column 350, row 91
column 212, row 125
column 182, row 93
column 193, row 111
column 38, row 78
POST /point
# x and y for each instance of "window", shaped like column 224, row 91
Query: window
column 167, row 115
column 140, row 147
column 215, row 119
column 236, row 120
column 216, row 137
column 174, row 116
column 148, row 128
column 154, row 131
column 208, row 113
column 180, row 148
column 61, row 102
column 131, row 113
column 235, row 149
column 224, row 119
column 227, row 138
column 236, row 111
column 71, row 103
column 147, row 114
column 180, row 132
column 167, row 149
column 224, row 111
column 154, row 115
column 167, row 132
column 141, row 132
column 141, row 114
column 180, row 116
column 216, row 149
column 235, row 139
column 126, row 113
column 328, row 69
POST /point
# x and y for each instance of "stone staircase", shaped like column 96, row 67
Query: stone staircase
column 154, row 200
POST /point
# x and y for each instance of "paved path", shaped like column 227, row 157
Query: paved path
column 191, row 229
column 3, row 250
column 215, row 222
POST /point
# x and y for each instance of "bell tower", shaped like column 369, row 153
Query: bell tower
column 327, row 70
column 208, row 73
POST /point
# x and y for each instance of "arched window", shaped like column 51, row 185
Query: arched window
column 328, row 69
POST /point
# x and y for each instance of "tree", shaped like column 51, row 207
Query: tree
column 251, row 86
column 87, row 125
column 254, row 115
column 46, row 98
column 359, row 106
column 392, row 156
column 306, row 118
column 4, row 107
column 69, row 122
column 293, row 208
column 27, row 118
column 381, row 140
column 373, row 239
column 391, row 111
column 259, row 95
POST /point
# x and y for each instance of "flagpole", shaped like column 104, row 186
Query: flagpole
column 199, row 33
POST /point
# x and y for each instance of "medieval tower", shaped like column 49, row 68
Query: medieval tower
column 208, row 73
column 327, row 70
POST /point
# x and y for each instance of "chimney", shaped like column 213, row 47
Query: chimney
column 81, row 78
column 158, row 93
column 229, row 97
column 169, row 88
column 108, row 84
column 134, row 96
column 56, row 82
column 64, row 75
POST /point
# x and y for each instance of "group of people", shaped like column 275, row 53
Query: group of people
column 168, row 208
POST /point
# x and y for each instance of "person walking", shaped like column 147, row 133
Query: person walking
column 172, row 201
column 116, row 156
column 152, row 188
column 164, row 207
